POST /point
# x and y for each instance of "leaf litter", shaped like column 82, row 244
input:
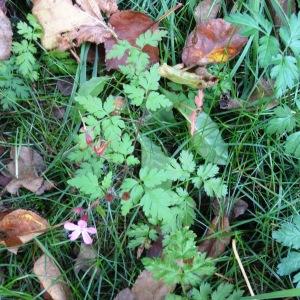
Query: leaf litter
column 6, row 34
column 19, row 227
column 25, row 168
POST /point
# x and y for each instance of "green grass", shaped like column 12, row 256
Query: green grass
column 259, row 172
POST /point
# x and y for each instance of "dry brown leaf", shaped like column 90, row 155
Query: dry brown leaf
column 5, row 36
column 213, row 41
column 146, row 288
column 25, row 168
column 50, row 277
column 125, row 294
column 66, row 25
column 19, row 227
column 215, row 246
column 206, row 10
column 178, row 75
column 129, row 25
column 85, row 259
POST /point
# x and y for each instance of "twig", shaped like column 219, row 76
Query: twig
column 237, row 257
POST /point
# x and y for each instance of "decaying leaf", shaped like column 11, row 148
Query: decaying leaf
column 129, row 25
column 239, row 208
column 215, row 246
column 85, row 259
column 5, row 36
column 2, row 6
column 25, row 168
column 50, row 277
column 227, row 103
column 178, row 75
column 65, row 85
column 213, row 41
column 19, row 227
column 146, row 288
column 206, row 10
column 66, row 25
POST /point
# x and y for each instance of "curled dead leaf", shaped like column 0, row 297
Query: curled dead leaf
column 19, row 227
column 213, row 41
column 66, row 25
column 178, row 75
column 25, row 168
column 49, row 276
column 129, row 25
column 215, row 246
column 5, row 36
column 146, row 288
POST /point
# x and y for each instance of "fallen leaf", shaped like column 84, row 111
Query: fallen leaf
column 125, row 294
column 50, row 277
column 2, row 5
column 19, row 227
column 227, row 103
column 178, row 75
column 206, row 10
column 4, row 180
column 146, row 288
column 239, row 208
column 129, row 25
column 213, row 41
column 66, row 25
column 5, row 36
column 59, row 112
column 25, row 168
column 156, row 248
column 215, row 246
column 65, row 86
column 85, row 260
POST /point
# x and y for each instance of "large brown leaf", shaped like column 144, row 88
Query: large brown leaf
column 146, row 288
column 5, row 36
column 66, row 25
column 213, row 41
column 215, row 246
column 19, row 227
column 129, row 25
column 25, row 168
column 50, row 277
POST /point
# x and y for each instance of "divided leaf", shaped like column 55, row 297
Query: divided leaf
column 208, row 141
column 292, row 144
column 284, row 121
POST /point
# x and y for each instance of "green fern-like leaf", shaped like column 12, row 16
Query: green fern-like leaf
column 292, row 144
column 284, row 121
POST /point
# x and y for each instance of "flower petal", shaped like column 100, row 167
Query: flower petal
column 75, row 234
column 86, row 238
column 91, row 230
column 70, row 226
column 82, row 224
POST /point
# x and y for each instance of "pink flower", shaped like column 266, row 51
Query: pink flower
column 80, row 229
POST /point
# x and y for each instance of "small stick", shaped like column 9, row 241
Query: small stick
column 166, row 14
column 237, row 257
